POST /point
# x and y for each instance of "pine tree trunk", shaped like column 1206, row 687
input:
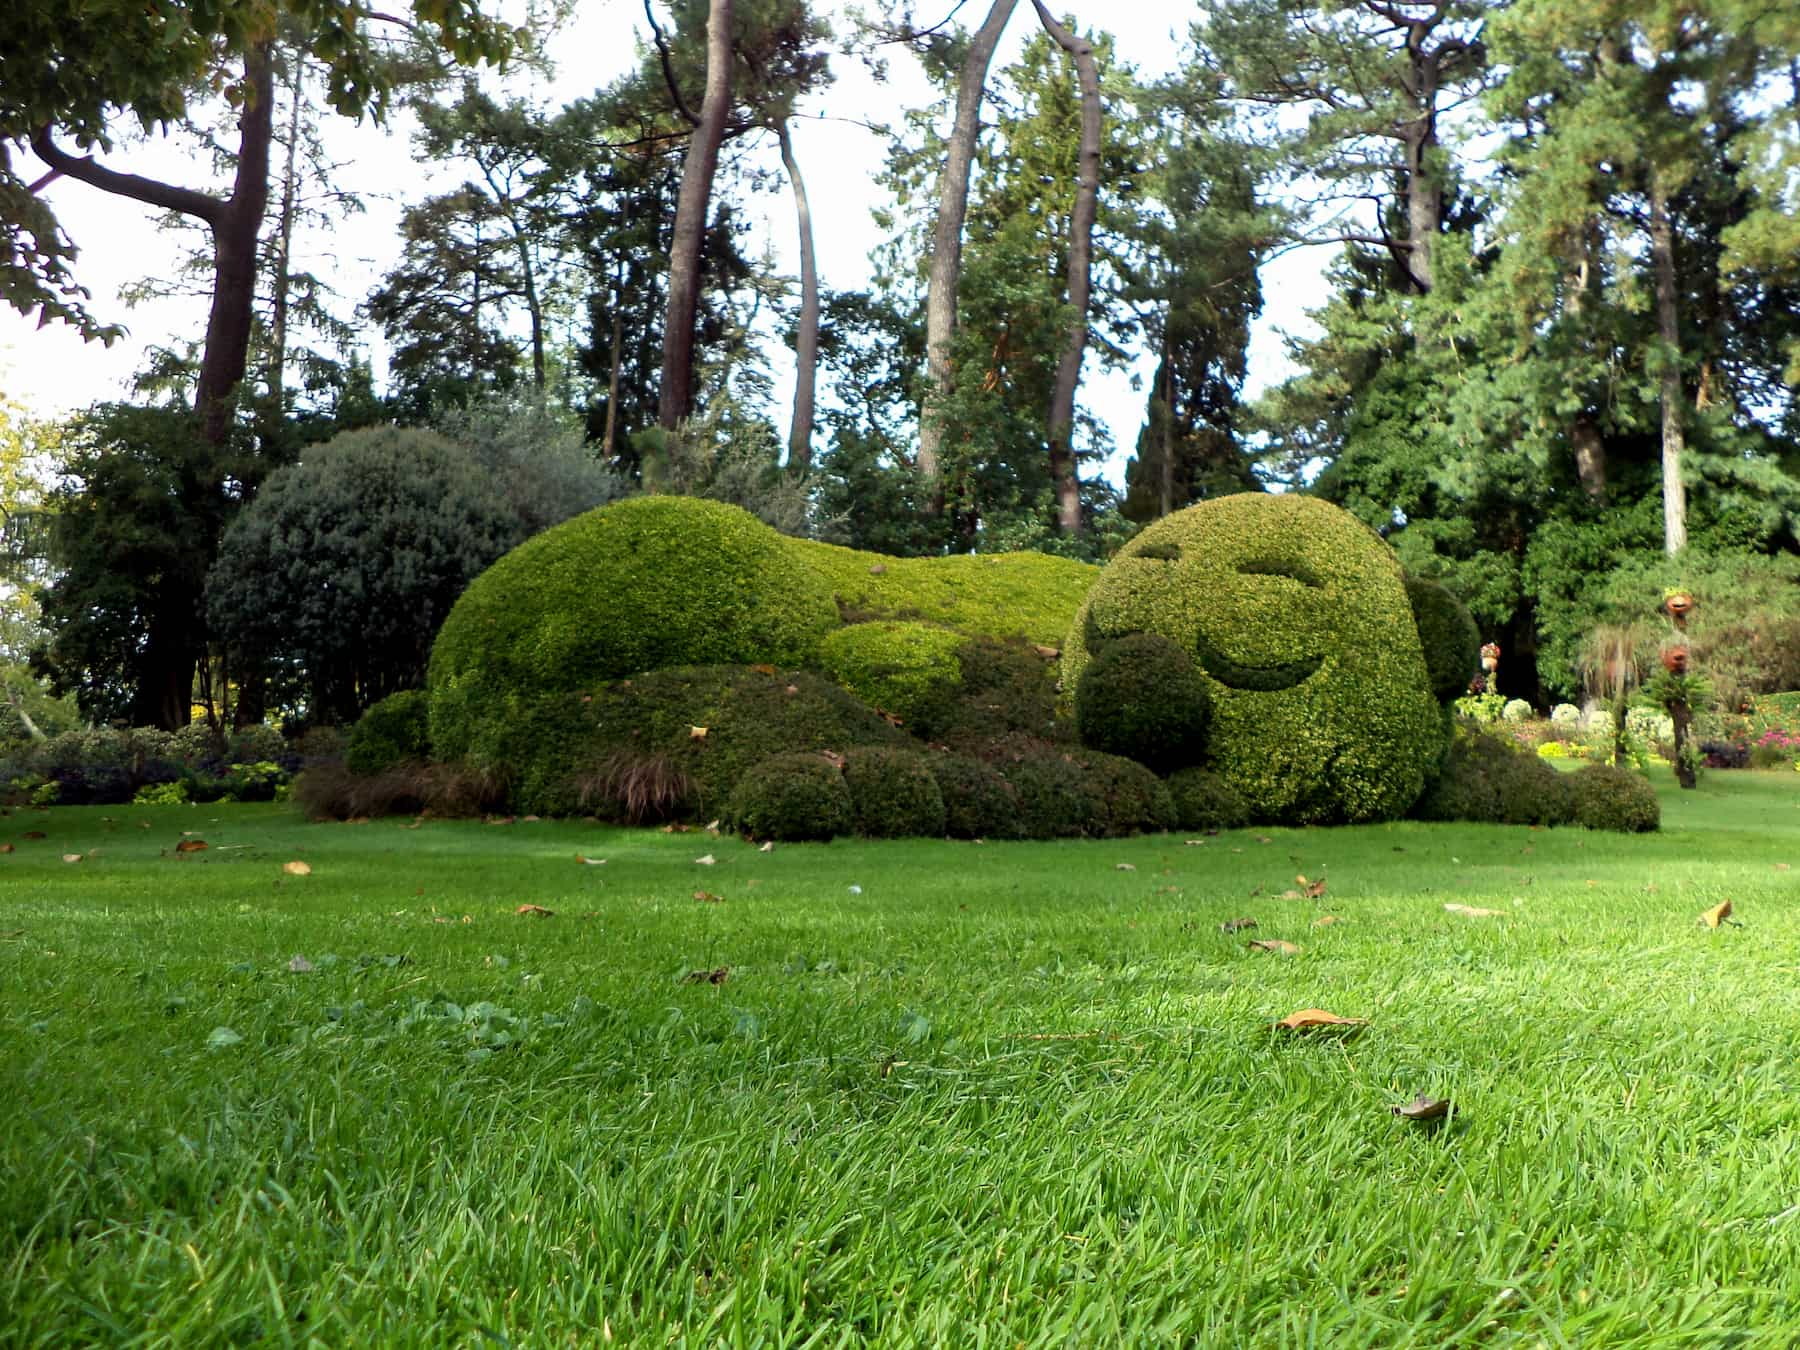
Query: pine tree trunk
column 677, row 397
column 806, row 345
column 1668, row 326
column 290, row 187
column 946, row 247
column 1063, row 471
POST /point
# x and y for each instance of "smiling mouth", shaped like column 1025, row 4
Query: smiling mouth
column 1261, row 679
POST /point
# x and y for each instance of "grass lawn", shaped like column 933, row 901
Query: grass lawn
column 1000, row 1093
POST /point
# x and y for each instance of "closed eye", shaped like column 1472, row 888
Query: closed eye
column 1293, row 571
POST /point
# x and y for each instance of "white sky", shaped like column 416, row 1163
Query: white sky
column 51, row 371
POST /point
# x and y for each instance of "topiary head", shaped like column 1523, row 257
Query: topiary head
column 1297, row 616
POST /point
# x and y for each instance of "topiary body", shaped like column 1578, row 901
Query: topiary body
column 1205, row 801
column 978, row 801
column 791, row 797
column 1447, row 633
column 897, row 666
column 892, row 793
column 1142, row 696
column 1607, row 798
column 1298, row 617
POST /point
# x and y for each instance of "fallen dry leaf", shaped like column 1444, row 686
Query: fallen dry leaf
column 716, row 976
column 191, row 846
column 297, row 869
column 1313, row 889
column 763, row 668
column 300, row 965
column 1275, row 945
column 591, row 862
column 705, row 860
column 502, row 820
column 1326, row 920
column 34, row 834
column 1474, row 912
column 1124, row 867
column 1423, row 1108
column 697, row 733
column 1292, row 895
column 676, row 827
column 712, row 827
column 1264, row 839
column 768, row 847
column 530, row 820
column 1783, row 867
column 71, row 857
column 1195, row 843
column 1718, row 914
column 6, row 848
column 1236, row 925
column 1311, row 1019
column 536, row 911
column 707, row 897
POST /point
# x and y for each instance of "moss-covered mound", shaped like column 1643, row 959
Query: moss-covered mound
column 1447, row 632
column 645, row 584
column 1298, row 615
column 689, row 732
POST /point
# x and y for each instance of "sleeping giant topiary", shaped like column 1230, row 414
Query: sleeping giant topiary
column 1299, row 619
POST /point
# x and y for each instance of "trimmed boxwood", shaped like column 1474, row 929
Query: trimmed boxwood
column 1609, row 798
column 1447, row 633
column 1142, row 697
column 892, row 794
column 1129, row 798
column 645, row 584
column 1067, row 793
column 898, row 667
column 1205, row 801
column 791, row 797
column 393, row 731
column 1298, row 615
column 1489, row 780
column 978, row 801
column 711, row 724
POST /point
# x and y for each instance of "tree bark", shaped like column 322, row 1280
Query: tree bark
column 609, row 445
column 1590, row 456
column 677, row 397
column 946, row 247
column 1081, row 236
column 1668, row 326
column 806, row 345
column 284, row 226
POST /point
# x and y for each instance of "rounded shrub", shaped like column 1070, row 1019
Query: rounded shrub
column 1488, row 780
column 1607, row 798
column 898, row 667
column 791, row 797
column 1298, row 616
column 395, row 731
column 1205, row 801
column 1005, row 686
column 1051, row 786
column 1128, row 798
column 1516, row 710
column 893, row 794
column 978, row 801
column 1448, row 636
column 698, row 728
column 651, row 583
column 1141, row 696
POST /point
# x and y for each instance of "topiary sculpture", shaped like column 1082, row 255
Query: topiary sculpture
column 1298, row 616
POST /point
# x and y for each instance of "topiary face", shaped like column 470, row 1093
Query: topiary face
column 1299, row 619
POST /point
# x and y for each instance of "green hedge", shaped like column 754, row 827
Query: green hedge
column 645, row 584
column 897, row 667
column 1608, row 798
column 793, row 797
column 892, row 794
column 1142, row 696
column 1447, row 632
column 1487, row 779
column 393, row 731
column 1321, row 707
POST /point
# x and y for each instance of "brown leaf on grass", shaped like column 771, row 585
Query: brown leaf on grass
column 591, row 862
column 1312, row 1019
column 768, row 847
column 1236, row 925
column 1718, row 914
column 502, row 820
column 536, row 911
column 833, row 758
column 1264, row 839
column 708, row 898
column 1475, row 912
column 71, row 857
column 1326, row 920
column 1292, row 895
column 1423, row 1108
column 717, row 975
column 531, row 820
column 676, row 827
column 1124, row 867
column 191, row 846
column 763, row 668
column 297, row 869
column 705, row 860
column 712, row 827
column 1275, row 945
column 1783, row 867
column 6, row 848
column 697, row 733
column 1313, row 889
column 34, row 834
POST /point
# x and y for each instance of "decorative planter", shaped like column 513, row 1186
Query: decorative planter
column 1675, row 660
column 1490, row 657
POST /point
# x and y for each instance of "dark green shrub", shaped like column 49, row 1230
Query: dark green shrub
column 1004, row 686
column 1142, row 697
column 1606, row 798
column 1487, row 779
column 978, row 801
column 394, row 731
column 648, row 584
column 1447, row 633
column 1128, row 798
column 1205, row 801
column 1298, row 616
column 710, row 723
column 1054, row 800
column 792, row 797
column 892, row 794
column 255, row 744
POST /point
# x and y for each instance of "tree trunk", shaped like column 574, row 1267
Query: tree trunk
column 1168, row 426
column 1081, row 236
column 534, row 307
column 290, row 187
column 806, row 346
column 1683, row 718
column 609, row 445
column 1674, row 435
column 677, row 397
column 1590, row 456
column 946, row 247
column 1424, row 202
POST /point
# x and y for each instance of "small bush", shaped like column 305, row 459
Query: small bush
column 1485, row 779
column 1005, row 686
column 1725, row 755
column 257, row 744
column 1141, row 696
column 1205, row 801
column 392, row 732
column 792, row 797
column 327, row 790
column 1605, row 798
column 1448, row 634
column 978, row 801
column 1516, row 710
column 1566, row 715
column 1065, row 793
column 892, row 794
column 1129, row 799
